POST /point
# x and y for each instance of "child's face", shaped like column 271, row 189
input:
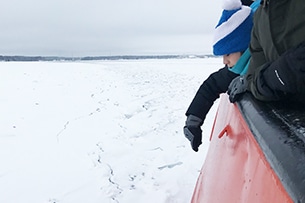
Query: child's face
column 231, row 59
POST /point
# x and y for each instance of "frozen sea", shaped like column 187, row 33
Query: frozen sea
column 100, row 131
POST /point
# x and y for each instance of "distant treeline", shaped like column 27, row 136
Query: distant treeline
column 87, row 58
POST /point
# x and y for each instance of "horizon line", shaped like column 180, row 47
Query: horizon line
column 112, row 57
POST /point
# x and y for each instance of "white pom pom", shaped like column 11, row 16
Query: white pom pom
column 231, row 4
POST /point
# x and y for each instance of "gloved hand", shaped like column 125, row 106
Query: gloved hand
column 294, row 58
column 237, row 87
column 287, row 73
column 193, row 132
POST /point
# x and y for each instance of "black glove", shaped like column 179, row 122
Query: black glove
column 237, row 87
column 193, row 132
column 285, row 76
column 294, row 58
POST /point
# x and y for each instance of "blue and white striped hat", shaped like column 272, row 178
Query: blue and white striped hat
column 233, row 31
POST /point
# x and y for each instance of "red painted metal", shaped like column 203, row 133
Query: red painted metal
column 235, row 169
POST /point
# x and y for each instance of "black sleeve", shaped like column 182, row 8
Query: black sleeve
column 209, row 91
column 268, row 85
column 283, row 79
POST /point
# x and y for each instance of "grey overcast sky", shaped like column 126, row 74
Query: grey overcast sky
column 107, row 27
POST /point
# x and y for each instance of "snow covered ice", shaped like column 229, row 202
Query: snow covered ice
column 100, row 131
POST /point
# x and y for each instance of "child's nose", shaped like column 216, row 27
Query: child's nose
column 225, row 60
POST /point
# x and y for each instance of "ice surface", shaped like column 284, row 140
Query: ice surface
column 100, row 131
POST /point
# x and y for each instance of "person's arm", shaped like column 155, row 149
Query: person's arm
column 208, row 92
column 284, row 77
column 280, row 79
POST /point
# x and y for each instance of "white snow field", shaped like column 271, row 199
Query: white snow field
column 100, row 131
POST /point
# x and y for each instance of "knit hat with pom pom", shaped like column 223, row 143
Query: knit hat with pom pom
column 233, row 31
